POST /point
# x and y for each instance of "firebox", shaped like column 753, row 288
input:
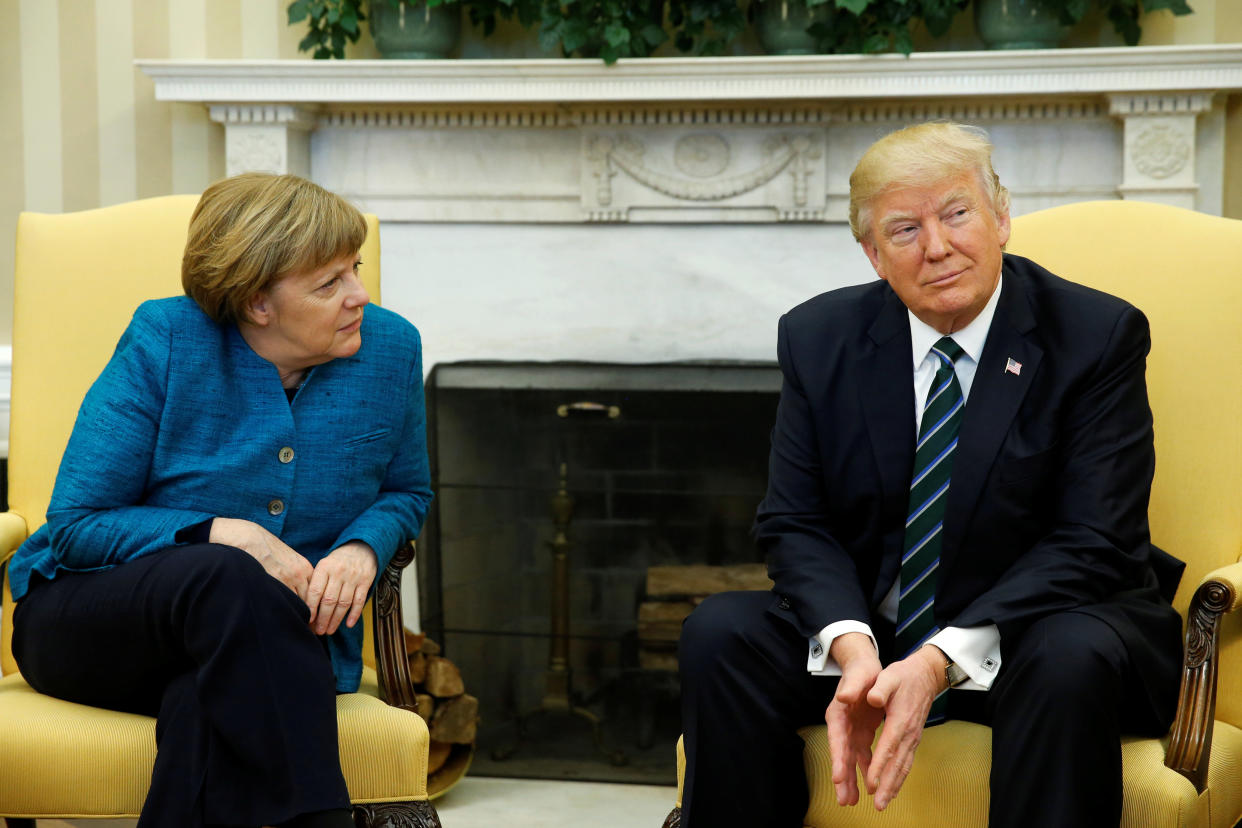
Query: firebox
column 562, row 490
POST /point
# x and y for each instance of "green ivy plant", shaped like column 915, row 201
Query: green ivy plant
column 613, row 29
column 1123, row 14
column 869, row 26
column 607, row 29
column 333, row 23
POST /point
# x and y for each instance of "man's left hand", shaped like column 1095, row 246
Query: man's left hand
column 905, row 691
column 339, row 586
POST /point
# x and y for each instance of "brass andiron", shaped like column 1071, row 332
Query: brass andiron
column 558, row 690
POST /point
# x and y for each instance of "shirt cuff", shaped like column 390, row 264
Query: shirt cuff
column 818, row 662
column 975, row 649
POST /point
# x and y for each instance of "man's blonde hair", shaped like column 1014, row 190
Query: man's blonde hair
column 921, row 155
column 249, row 230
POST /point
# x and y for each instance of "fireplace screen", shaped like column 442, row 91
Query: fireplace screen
column 581, row 510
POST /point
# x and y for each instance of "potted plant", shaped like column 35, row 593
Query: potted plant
column 607, row 29
column 1041, row 24
column 401, row 28
column 784, row 26
column 849, row 26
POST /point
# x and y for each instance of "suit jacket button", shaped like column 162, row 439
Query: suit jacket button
column 285, row 454
column 275, row 507
column 784, row 603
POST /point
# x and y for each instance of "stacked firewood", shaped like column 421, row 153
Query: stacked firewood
column 452, row 714
column 672, row 593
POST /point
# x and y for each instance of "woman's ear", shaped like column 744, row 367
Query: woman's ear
column 257, row 311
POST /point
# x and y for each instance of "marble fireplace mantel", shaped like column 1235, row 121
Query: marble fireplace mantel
column 738, row 139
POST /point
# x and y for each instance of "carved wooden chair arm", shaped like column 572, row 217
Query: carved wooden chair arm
column 391, row 664
column 1190, row 740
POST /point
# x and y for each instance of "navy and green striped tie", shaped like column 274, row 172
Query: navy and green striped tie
column 929, row 490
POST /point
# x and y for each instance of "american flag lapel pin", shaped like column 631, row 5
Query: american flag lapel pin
column 1012, row 366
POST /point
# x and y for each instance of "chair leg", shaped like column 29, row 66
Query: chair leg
column 673, row 820
column 396, row 815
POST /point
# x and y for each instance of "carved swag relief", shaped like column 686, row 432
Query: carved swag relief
column 699, row 169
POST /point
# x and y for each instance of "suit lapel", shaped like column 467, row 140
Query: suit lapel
column 888, row 395
column 995, row 396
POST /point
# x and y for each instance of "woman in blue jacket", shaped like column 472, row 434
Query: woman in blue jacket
column 246, row 464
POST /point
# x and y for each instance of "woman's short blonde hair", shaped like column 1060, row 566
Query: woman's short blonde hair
column 250, row 230
column 919, row 155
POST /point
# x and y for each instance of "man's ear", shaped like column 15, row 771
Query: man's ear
column 874, row 257
column 1002, row 229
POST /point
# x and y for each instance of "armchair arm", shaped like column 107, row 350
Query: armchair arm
column 392, row 666
column 1190, row 740
column 12, row 533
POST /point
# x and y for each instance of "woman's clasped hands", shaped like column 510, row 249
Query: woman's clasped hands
column 335, row 589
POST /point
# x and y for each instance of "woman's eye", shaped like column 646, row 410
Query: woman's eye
column 331, row 283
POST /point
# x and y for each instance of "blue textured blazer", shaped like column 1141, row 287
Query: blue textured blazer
column 187, row 423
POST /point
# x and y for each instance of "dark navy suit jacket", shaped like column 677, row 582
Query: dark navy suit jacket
column 1047, row 510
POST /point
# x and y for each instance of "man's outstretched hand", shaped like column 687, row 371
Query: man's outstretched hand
column 899, row 695
column 851, row 720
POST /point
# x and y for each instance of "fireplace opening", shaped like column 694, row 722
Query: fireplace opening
column 581, row 510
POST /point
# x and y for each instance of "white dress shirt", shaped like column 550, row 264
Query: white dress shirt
column 975, row 649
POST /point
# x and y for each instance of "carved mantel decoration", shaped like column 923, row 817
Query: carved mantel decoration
column 712, row 139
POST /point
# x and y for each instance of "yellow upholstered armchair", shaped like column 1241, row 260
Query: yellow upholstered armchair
column 79, row 278
column 1184, row 270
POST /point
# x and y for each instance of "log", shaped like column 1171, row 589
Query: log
column 455, row 719
column 437, row 755
column 663, row 660
column 443, row 678
column 426, row 705
column 661, row 620
column 702, row 580
column 413, row 641
column 418, row 667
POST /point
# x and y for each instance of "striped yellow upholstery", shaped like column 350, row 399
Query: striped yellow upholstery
column 63, row 759
column 79, row 277
column 68, row 760
column 949, row 784
column 1184, row 270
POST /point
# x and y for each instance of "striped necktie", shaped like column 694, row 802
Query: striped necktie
column 929, row 491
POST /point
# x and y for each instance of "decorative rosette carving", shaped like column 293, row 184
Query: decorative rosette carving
column 701, row 154
column 1160, row 151
column 255, row 152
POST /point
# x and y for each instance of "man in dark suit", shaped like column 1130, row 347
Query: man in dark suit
column 958, row 488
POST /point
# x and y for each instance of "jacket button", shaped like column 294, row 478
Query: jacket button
column 285, row 454
column 275, row 507
column 784, row 604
